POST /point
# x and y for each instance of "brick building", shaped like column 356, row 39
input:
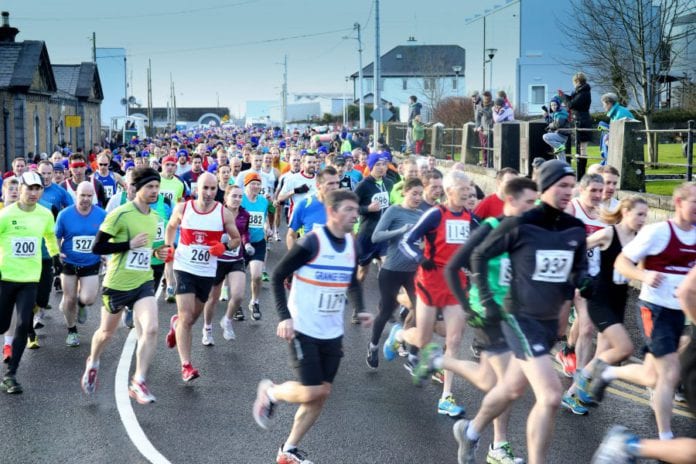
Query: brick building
column 36, row 97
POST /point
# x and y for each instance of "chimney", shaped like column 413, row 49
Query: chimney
column 7, row 32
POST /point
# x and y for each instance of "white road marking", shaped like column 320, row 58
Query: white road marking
column 125, row 408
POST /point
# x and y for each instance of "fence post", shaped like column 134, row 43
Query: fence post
column 532, row 144
column 436, row 140
column 690, row 151
column 506, row 145
column 470, row 139
column 625, row 148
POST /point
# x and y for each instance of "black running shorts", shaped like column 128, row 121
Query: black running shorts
column 315, row 361
column 115, row 300
column 189, row 283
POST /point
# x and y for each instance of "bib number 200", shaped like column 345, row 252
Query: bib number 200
column 24, row 248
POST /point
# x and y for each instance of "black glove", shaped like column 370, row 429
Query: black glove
column 304, row 188
column 57, row 265
column 493, row 311
column 586, row 287
column 428, row 265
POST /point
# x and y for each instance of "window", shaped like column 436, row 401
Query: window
column 537, row 94
column 429, row 83
column 369, row 84
column 404, row 84
column 49, row 135
column 36, row 134
column 454, row 83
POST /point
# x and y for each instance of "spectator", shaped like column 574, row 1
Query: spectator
column 414, row 109
column 503, row 95
column 502, row 112
column 616, row 112
column 418, row 134
column 578, row 103
column 484, row 123
column 557, row 119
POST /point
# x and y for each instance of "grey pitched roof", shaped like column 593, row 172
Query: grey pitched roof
column 19, row 62
column 78, row 80
column 419, row 60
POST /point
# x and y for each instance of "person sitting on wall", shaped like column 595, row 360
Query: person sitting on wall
column 557, row 118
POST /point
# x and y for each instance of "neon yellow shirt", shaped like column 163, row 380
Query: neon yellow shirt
column 172, row 188
column 20, row 242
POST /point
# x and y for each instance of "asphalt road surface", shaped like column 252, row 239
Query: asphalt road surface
column 371, row 416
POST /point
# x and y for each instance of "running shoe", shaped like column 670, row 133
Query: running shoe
column 189, row 373
column 392, row 344
column 238, row 315
column 293, row 456
column 475, row 349
column 208, row 336
column 466, row 454
column 140, row 393
column 81, row 313
column 559, row 149
column 265, row 277
column 679, row 395
column 502, row 455
column 171, row 335
column 38, row 318
column 448, row 407
column 127, row 318
column 402, row 351
column 224, row 293
column 410, row 366
column 255, row 311
column 6, row 353
column 571, row 403
column 403, row 312
column 372, row 357
column 262, row 410
column 582, row 389
column 57, row 285
column 33, row 342
column 425, row 366
column 89, row 378
column 227, row 330
column 566, row 359
column 355, row 320
column 615, row 447
column 598, row 384
column 170, row 298
column 73, row 339
column 438, row 376
column 276, row 236
column 10, row 385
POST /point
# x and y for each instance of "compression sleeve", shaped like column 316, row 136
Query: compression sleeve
column 102, row 245
column 49, row 236
column 427, row 222
column 496, row 243
column 461, row 259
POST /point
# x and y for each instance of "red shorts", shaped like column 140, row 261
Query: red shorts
column 432, row 288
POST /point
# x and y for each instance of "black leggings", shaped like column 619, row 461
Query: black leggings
column 389, row 284
column 23, row 295
column 43, row 292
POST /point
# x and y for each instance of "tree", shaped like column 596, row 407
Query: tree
column 630, row 45
column 454, row 111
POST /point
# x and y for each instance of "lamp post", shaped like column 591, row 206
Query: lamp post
column 491, row 53
column 457, row 69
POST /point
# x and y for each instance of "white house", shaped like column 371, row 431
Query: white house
column 430, row 72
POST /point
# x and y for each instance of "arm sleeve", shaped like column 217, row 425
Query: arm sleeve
column 579, row 271
column 382, row 232
column 102, row 246
column 496, row 243
column 50, row 237
column 425, row 224
column 460, row 259
column 298, row 256
column 362, row 206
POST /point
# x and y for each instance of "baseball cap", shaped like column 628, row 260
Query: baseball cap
column 251, row 177
column 30, row 178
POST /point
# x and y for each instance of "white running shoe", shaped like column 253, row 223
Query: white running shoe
column 208, row 336
column 227, row 329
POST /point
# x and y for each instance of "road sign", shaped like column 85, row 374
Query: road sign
column 381, row 115
column 73, row 121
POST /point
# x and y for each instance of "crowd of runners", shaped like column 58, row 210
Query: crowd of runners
column 538, row 270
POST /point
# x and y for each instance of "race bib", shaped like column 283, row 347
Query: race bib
column 159, row 235
column 83, row 243
column 138, row 259
column 200, row 255
column 109, row 190
column 553, row 265
column 256, row 220
column 331, row 301
column 25, row 247
column 168, row 195
column 457, row 231
column 593, row 261
column 382, row 198
column 505, row 276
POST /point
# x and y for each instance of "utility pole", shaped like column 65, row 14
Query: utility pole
column 376, row 77
column 94, row 47
column 284, row 95
column 125, row 82
column 483, row 80
column 361, row 94
column 149, row 98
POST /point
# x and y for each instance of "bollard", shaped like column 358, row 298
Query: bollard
column 436, row 137
column 626, row 154
column 532, row 144
column 470, row 139
column 506, row 145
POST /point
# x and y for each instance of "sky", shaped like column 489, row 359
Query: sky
column 232, row 50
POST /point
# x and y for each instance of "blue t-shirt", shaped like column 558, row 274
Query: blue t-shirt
column 76, row 234
column 257, row 217
column 55, row 198
column 109, row 183
column 307, row 214
column 355, row 175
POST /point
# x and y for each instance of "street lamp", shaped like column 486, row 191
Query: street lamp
column 457, row 69
column 491, row 53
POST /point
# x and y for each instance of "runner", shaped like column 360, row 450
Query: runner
column 127, row 234
column 606, row 307
column 409, row 170
column 548, row 259
column 311, row 319
column 22, row 227
column 611, row 181
column 310, row 214
column 78, row 169
column 432, row 189
column 191, row 176
column 10, row 195
column 273, row 175
column 668, row 252
column 76, row 229
column 300, row 185
column 442, row 229
column 110, row 180
column 175, row 189
column 230, row 270
column 202, row 222
column 398, row 270
column 492, row 205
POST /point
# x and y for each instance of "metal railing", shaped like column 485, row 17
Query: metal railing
column 689, row 148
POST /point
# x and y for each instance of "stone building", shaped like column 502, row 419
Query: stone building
column 36, row 99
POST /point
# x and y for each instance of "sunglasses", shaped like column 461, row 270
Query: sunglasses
column 101, row 164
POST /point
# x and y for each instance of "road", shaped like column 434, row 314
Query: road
column 371, row 416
